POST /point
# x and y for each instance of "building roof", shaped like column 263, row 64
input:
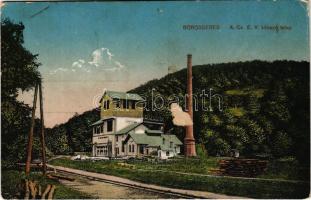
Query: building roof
column 100, row 121
column 127, row 129
column 155, row 140
column 123, row 95
column 156, row 132
column 172, row 138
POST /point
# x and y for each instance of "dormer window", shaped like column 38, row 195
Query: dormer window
column 106, row 104
column 163, row 141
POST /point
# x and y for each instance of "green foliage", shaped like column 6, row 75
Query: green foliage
column 256, row 105
column 247, row 92
column 201, row 151
column 166, row 174
column 288, row 169
column 57, row 140
column 19, row 67
column 253, row 105
column 281, row 144
column 74, row 135
column 260, row 99
column 215, row 121
column 19, row 70
column 12, row 182
column 236, row 112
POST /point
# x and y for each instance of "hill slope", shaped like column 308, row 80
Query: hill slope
column 264, row 108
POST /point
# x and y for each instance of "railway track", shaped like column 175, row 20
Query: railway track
column 156, row 191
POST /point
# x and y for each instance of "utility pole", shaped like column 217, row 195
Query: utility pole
column 30, row 135
column 42, row 138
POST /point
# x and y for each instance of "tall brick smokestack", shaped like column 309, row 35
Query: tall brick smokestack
column 189, row 139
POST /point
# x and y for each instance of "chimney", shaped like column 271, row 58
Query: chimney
column 189, row 141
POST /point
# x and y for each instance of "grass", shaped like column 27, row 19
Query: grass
column 179, row 165
column 147, row 172
column 287, row 169
column 11, row 181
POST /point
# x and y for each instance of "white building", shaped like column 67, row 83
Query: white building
column 122, row 131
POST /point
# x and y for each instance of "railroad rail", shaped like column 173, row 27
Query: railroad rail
column 181, row 193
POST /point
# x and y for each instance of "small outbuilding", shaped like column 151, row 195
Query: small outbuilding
column 152, row 142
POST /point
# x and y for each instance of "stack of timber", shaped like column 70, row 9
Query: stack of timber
column 241, row 167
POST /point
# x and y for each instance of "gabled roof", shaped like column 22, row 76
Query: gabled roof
column 172, row 138
column 122, row 95
column 100, row 121
column 127, row 129
column 151, row 140
column 154, row 132
column 155, row 140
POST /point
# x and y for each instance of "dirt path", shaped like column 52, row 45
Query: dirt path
column 127, row 183
column 103, row 190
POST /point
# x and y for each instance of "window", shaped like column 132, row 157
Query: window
column 171, row 144
column 141, row 149
column 163, row 141
column 133, row 148
column 101, row 151
column 124, row 103
column 105, row 150
column 109, row 125
column 167, row 153
column 118, row 104
column 108, row 103
column 133, row 104
column 130, row 148
column 102, row 128
column 122, row 149
column 117, row 151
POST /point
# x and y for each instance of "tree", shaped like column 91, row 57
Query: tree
column 19, row 72
column 270, row 104
column 253, row 106
column 19, row 66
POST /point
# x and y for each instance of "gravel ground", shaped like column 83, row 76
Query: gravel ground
column 103, row 190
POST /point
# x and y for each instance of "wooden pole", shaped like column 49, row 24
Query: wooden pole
column 42, row 138
column 30, row 135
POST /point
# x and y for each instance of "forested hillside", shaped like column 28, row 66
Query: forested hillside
column 265, row 110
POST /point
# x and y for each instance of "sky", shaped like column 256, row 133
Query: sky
column 87, row 47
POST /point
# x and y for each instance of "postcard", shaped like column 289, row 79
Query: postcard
column 155, row 100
